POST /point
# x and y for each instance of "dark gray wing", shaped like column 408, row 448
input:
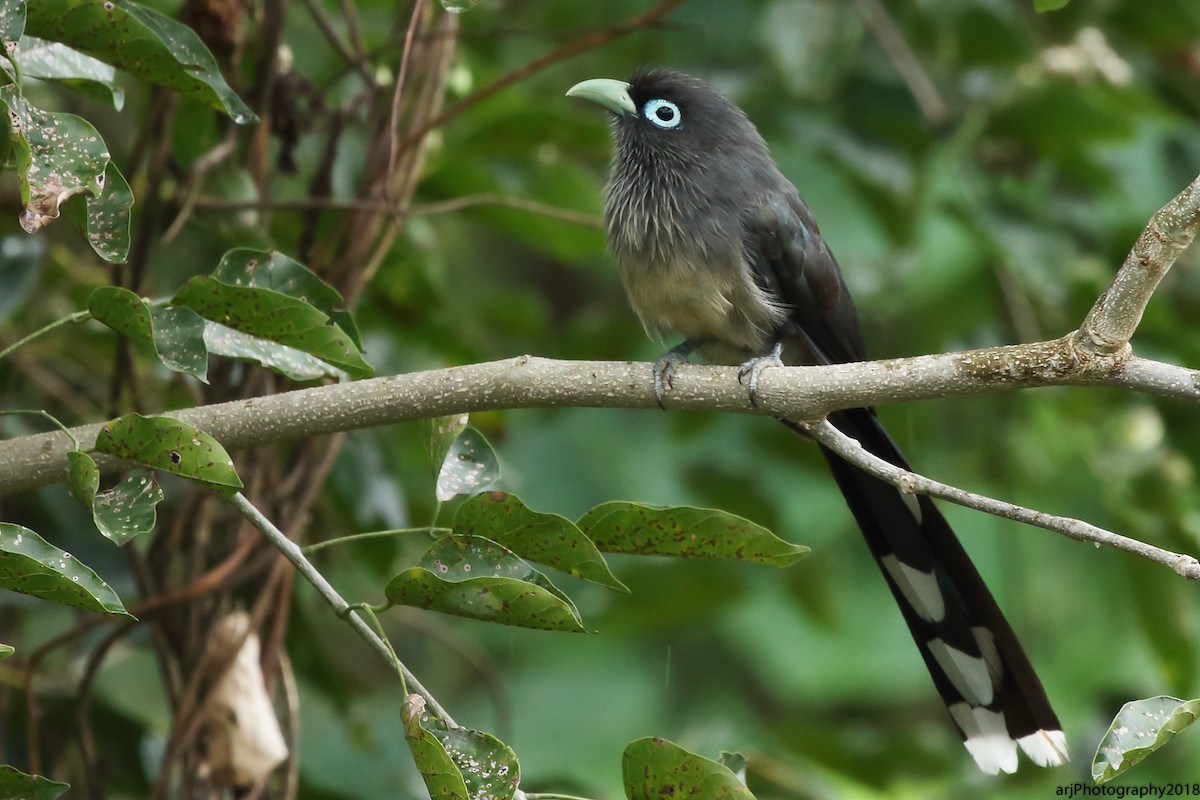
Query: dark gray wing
column 792, row 262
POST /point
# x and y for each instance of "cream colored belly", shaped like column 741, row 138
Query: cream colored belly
column 722, row 306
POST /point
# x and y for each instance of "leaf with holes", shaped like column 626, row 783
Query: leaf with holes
column 83, row 477
column 144, row 42
column 453, row 759
column 104, row 217
column 545, row 538
column 12, row 25
column 469, row 576
column 172, row 446
column 176, row 334
column 656, row 768
column 276, row 317
column 128, row 509
column 58, row 156
column 31, row 565
column 470, row 464
column 1140, row 728
column 443, row 431
column 442, row 778
column 55, row 61
column 684, row 531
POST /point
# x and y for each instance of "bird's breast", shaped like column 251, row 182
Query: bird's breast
column 716, row 304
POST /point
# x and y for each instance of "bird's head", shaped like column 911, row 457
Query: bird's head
column 668, row 114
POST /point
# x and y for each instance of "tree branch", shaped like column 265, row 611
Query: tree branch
column 292, row 553
column 1097, row 354
column 912, row 483
column 531, row 382
column 1110, row 324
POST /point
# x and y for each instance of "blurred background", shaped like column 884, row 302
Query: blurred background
column 980, row 170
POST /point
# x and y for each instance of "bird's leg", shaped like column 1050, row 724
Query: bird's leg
column 664, row 368
column 749, row 371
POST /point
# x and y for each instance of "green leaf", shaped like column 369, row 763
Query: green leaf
column 545, row 538
column 172, row 446
column 16, row 785
column 12, row 24
column 104, row 217
column 470, row 464
column 270, row 269
column 1140, row 728
column 122, row 512
column 271, row 315
column 58, row 156
column 655, row 768
column 54, row 61
column 442, row 778
column 459, row 762
column 128, row 509
column 179, row 339
column 176, row 334
column 471, row 577
column 443, row 431
column 123, row 311
column 295, row 364
column 620, row 527
column 141, row 41
column 83, row 477
column 6, row 650
column 30, row 565
column 1048, row 5
column 735, row 763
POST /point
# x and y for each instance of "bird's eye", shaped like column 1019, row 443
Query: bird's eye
column 663, row 113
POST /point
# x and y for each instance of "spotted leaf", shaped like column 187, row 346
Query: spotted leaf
column 31, row 565
column 172, row 446
column 684, row 531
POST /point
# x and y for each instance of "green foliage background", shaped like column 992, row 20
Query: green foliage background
column 998, row 221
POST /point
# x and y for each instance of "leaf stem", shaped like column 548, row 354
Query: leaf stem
column 37, row 412
column 78, row 316
column 317, row 546
column 292, row 552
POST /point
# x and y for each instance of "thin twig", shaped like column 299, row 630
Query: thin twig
column 1113, row 319
column 354, row 61
column 911, row 483
column 574, row 48
column 292, row 553
column 909, row 67
column 414, row 23
column 421, row 209
column 191, row 191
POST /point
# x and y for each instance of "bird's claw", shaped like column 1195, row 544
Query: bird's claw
column 749, row 371
column 664, row 371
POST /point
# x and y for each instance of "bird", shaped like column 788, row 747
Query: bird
column 713, row 243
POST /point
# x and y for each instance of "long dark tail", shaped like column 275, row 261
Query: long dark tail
column 978, row 666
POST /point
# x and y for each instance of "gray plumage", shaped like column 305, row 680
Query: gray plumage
column 713, row 243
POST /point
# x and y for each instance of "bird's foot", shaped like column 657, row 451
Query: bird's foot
column 664, row 369
column 749, row 371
